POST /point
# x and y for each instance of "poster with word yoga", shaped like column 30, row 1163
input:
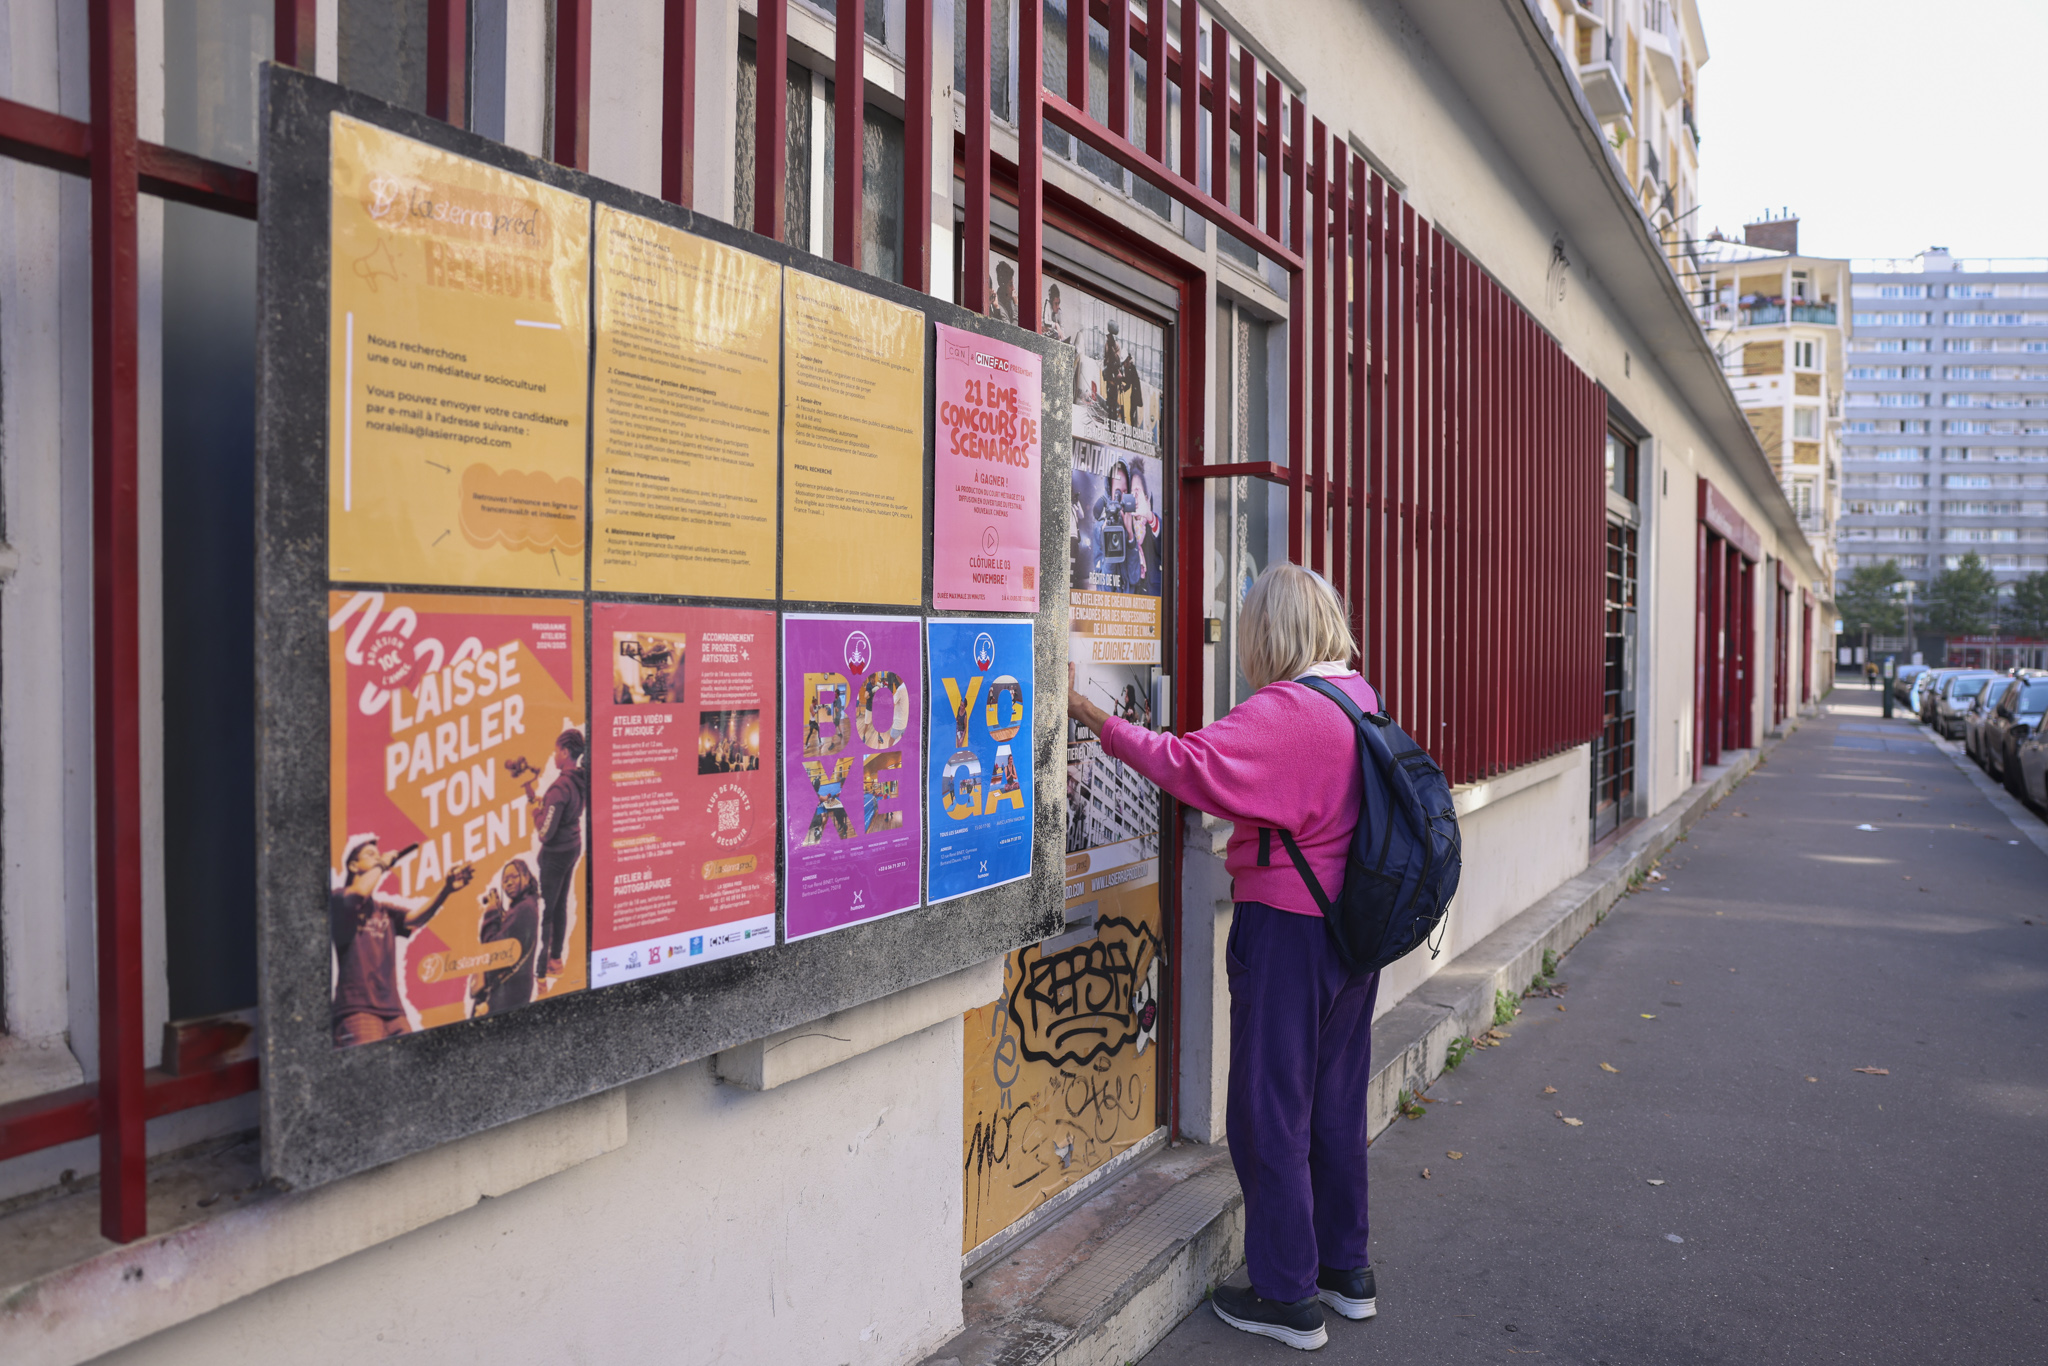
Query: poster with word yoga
column 979, row 778
column 853, row 818
column 458, row 804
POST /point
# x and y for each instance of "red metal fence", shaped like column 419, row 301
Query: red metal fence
column 1443, row 453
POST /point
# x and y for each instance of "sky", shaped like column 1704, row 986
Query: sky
column 1887, row 126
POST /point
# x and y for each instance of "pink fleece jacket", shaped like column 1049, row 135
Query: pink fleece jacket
column 1282, row 758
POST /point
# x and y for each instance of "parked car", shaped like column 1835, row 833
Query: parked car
column 1922, row 696
column 2018, row 716
column 1974, row 716
column 1917, row 693
column 1952, row 699
column 2030, row 760
column 1902, row 681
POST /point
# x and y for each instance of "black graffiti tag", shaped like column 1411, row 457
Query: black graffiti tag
column 1080, row 1004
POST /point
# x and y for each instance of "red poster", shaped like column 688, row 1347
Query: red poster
column 985, row 474
column 457, row 794
column 684, row 819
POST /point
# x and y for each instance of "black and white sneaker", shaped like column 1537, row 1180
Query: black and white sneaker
column 1298, row 1325
column 1350, row 1293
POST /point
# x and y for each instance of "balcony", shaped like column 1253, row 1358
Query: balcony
column 1607, row 93
column 1663, row 44
column 1825, row 314
column 1761, row 315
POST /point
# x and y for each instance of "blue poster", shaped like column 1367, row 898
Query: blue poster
column 978, row 794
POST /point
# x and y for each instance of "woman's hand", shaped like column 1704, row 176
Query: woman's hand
column 1081, row 709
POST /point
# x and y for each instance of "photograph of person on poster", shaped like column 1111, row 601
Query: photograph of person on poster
column 728, row 742
column 511, row 911
column 558, row 830
column 1115, row 540
column 366, row 929
column 646, row 669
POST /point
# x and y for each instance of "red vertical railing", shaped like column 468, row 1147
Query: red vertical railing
column 448, row 61
column 572, row 84
column 116, row 602
column 679, row 102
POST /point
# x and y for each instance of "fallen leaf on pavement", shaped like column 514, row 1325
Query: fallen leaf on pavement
column 1676, row 983
column 2029, row 922
column 1813, row 1078
column 1425, row 1173
column 1550, row 1090
column 1454, row 1156
column 1609, row 1067
column 1575, row 1123
column 1656, row 1183
column 1558, row 1113
column 1649, row 1017
column 1874, row 1071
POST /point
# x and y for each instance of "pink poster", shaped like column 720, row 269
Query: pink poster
column 684, row 794
column 985, row 485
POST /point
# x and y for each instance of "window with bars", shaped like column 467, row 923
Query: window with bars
column 1614, row 749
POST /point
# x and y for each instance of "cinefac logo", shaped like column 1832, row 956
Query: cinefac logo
column 983, row 358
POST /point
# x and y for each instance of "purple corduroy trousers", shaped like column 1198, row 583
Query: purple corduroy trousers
column 1300, row 1063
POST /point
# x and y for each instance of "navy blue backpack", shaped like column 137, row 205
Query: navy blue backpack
column 1405, row 855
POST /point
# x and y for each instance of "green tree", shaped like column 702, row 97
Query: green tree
column 1963, row 601
column 1868, row 602
column 2027, row 612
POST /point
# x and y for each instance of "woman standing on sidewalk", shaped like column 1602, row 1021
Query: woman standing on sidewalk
column 1300, row 1024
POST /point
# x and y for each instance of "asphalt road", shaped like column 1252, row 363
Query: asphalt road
column 1809, row 1212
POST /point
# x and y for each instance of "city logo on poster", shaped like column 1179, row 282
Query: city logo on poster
column 860, row 652
column 633, row 959
column 653, row 954
column 966, row 788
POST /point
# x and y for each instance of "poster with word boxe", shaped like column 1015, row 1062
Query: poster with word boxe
column 458, row 369
column 978, row 783
column 985, row 509
column 852, row 446
column 458, row 790
column 852, row 700
column 683, row 413
column 683, row 821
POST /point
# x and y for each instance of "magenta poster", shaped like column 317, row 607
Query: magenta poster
column 853, row 816
column 985, row 475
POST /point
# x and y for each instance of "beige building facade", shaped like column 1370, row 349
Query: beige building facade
column 809, row 1195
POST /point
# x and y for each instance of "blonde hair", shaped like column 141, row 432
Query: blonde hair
column 1292, row 618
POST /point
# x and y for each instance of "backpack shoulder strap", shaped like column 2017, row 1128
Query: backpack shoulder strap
column 1359, row 715
column 1315, row 888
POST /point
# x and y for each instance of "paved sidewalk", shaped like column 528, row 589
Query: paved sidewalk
column 1854, row 1217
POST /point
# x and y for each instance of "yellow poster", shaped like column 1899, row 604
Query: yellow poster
column 684, row 413
column 459, row 369
column 852, row 446
column 1062, row 1072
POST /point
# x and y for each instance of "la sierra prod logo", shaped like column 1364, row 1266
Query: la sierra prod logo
column 984, row 651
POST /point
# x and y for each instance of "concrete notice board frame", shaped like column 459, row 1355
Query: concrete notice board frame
column 330, row 1112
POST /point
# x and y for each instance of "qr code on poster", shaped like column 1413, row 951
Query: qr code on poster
column 729, row 815
column 1031, row 577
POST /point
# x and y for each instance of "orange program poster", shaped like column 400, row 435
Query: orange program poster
column 852, row 446
column 458, row 373
column 458, row 804
column 684, row 413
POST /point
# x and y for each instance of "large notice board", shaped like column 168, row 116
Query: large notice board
column 542, row 494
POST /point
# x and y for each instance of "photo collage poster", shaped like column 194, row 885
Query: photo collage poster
column 852, row 733
column 1061, row 1076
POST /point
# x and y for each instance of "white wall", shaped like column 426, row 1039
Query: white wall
column 815, row 1223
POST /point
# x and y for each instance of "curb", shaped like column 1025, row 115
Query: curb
column 1139, row 1284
